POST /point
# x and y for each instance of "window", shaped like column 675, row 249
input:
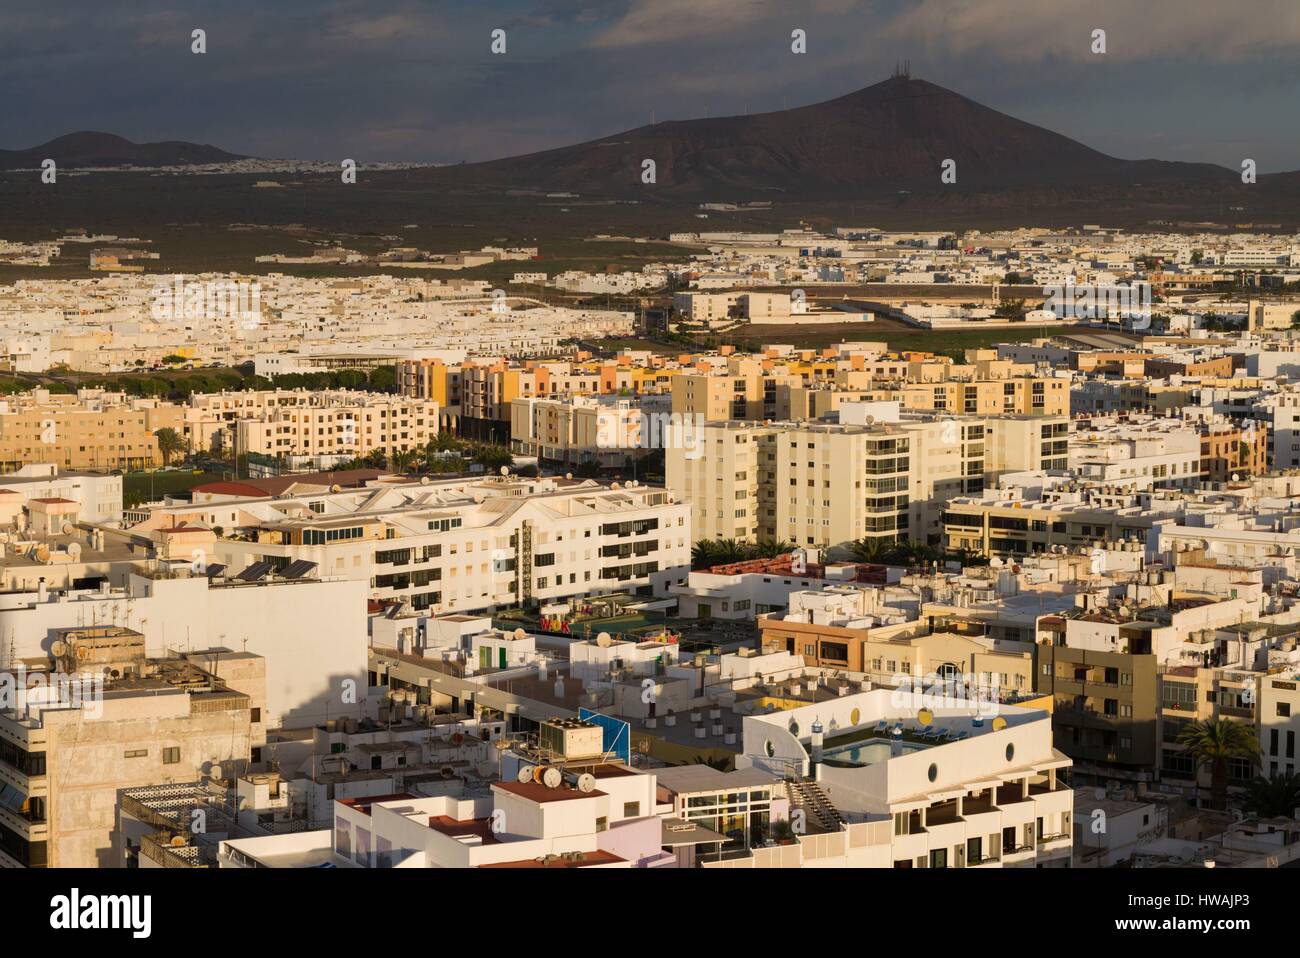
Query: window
column 171, row 756
column 631, row 809
column 136, row 753
column 256, row 716
column 1284, row 709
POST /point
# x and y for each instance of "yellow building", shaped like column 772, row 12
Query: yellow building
column 92, row 430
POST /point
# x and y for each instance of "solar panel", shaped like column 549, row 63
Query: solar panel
column 297, row 569
column 214, row 570
column 254, row 572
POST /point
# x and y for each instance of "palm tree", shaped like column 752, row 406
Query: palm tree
column 1276, row 797
column 710, row 552
column 401, row 461
column 771, row 548
column 732, row 550
column 870, row 550
column 1213, row 743
column 704, row 554
column 721, row 764
column 376, row 459
column 169, row 443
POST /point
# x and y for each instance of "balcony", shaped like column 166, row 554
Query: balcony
column 1010, row 795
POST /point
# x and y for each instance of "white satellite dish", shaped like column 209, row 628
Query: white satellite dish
column 586, row 782
column 215, row 771
column 505, row 470
column 58, row 648
column 520, row 634
column 525, row 773
column 552, row 778
column 603, row 640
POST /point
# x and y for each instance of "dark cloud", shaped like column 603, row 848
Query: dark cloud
column 412, row 80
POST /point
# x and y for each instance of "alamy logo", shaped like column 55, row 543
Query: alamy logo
column 1089, row 301
column 659, row 430
column 21, row 690
column 209, row 299
column 935, row 691
column 76, row 911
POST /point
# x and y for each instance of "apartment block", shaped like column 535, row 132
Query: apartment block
column 64, row 758
column 456, row 545
column 826, row 485
column 92, row 430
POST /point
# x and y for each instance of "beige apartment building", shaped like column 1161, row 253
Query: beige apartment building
column 65, row 761
column 349, row 424
column 574, row 429
column 827, row 485
column 92, row 430
column 751, row 394
column 1021, row 395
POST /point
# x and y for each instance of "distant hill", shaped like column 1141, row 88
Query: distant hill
column 104, row 149
column 888, row 137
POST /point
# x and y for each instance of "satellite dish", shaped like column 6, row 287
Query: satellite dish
column 586, row 782
column 525, row 773
column 520, row 634
column 176, row 841
column 925, row 717
column 999, row 724
column 603, row 640
column 505, row 470
column 215, row 771
column 538, row 772
column 552, row 778
column 59, row 648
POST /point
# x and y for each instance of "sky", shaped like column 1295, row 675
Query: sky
column 417, row 80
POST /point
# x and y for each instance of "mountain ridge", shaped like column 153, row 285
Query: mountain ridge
column 91, row 148
column 892, row 135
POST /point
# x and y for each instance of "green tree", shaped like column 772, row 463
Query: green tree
column 870, row 550
column 401, row 461
column 493, row 457
column 772, row 548
column 1276, row 797
column 704, row 554
column 1213, row 743
column 383, row 378
column 169, row 443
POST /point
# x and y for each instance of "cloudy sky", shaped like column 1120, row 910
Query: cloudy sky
column 416, row 79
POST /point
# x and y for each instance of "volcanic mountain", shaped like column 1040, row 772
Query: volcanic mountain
column 888, row 137
column 88, row 149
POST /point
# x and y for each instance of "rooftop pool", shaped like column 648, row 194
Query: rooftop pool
column 866, row 752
